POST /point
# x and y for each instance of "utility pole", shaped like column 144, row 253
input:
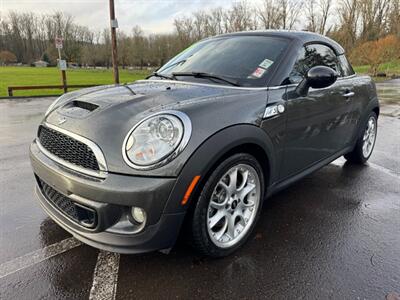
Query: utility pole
column 114, row 26
column 62, row 64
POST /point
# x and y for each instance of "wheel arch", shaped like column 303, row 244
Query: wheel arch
column 373, row 105
column 244, row 138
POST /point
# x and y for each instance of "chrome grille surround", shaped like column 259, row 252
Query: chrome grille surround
column 102, row 170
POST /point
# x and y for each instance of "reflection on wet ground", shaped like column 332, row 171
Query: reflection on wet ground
column 333, row 235
column 389, row 91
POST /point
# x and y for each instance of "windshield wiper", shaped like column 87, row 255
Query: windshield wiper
column 161, row 76
column 206, row 75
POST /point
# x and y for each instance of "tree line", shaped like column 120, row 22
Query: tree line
column 356, row 24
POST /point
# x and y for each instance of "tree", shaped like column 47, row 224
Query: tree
column 317, row 13
column 45, row 57
column 7, row 57
column 394, row 18
column 269, row 14
column 375, row 53
column 346, row 28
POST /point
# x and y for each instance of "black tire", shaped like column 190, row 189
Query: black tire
column 357, row 155
column 200, row 236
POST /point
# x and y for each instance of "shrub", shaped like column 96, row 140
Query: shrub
column 7, row 57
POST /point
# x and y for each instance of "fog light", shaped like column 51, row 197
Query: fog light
column 138, row 214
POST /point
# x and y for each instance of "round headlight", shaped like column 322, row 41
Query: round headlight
column 155, row 139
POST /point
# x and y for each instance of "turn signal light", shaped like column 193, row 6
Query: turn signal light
column 190, row 189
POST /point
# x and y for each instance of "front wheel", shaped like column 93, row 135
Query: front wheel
column 229, row 206
column 366, row 142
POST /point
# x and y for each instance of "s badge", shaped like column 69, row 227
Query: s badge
column 273, row 110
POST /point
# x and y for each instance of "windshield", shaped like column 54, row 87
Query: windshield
column 245, row 59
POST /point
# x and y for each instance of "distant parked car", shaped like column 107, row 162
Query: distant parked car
column 201, row 143
column 41, row 64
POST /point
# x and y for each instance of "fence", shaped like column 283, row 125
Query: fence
column 46, row 87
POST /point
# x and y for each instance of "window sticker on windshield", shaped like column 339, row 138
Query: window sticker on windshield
column 266, row 63
column 258, row 73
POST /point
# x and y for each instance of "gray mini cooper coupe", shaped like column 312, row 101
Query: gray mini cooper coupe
column 202, row 142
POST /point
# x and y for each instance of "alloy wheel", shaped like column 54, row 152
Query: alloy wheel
column 369, row 137
column 233, row 205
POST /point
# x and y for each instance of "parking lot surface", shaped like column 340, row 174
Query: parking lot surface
column 334, row 234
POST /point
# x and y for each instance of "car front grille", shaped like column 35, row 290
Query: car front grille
column 67, row 148
column 78, row 213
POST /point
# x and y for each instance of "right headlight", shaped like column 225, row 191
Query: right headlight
column 156, row 140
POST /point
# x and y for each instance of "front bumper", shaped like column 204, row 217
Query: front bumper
column 111, row 198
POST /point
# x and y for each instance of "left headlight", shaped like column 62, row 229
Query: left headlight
column 156, row 140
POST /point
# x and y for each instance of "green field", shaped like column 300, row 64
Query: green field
column 11, row 76
column 390, row 68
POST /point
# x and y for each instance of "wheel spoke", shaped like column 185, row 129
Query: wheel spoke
column 225, row 187
column 243, row 193
column 247, row 205
column 231, row 227
column 245, row 177
column 216, row 205
column 366, row 135
column 233, row 181
column 222, row 231
column 216, row 218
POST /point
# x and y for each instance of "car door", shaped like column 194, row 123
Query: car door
column 316, row 123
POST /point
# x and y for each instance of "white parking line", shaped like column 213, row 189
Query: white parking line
column 105, row 277
column 341, row 161
column 385, row 170
column 37, row 256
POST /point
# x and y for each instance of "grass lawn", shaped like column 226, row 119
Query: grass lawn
column 51, row 76
column 390, row 68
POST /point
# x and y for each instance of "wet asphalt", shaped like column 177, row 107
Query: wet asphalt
column 333, row 235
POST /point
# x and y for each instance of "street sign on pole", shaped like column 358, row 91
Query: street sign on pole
column 114, row 53
column 62, row 64
column 59, row 43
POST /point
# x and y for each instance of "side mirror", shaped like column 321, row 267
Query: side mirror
column 317, row 77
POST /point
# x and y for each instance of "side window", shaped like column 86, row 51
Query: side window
column 311, row 56
column 347, row 69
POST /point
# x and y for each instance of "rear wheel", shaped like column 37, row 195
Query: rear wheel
column 366, row 142
column 229, row 206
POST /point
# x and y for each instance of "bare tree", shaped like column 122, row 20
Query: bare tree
column 317, row 12
column 374, row 17
column 290, row 10
column 345, row 31
column 269, row 14
column 394, row 18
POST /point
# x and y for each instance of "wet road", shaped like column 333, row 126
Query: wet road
column 334, row 234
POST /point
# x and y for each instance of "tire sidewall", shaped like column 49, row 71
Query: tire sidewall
column 199, row 223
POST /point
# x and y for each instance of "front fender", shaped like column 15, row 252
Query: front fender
column 209, row 153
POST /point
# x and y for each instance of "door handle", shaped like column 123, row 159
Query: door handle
column 348, row 94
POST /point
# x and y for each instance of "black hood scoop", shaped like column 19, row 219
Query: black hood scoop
column 78, row 109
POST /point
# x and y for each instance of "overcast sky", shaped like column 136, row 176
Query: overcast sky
column 152, row 15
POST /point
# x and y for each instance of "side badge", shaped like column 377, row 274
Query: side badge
column 273, row 110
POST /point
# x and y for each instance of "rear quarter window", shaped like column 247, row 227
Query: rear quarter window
column 347, row 69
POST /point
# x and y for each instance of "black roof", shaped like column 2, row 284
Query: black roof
column 302, row 36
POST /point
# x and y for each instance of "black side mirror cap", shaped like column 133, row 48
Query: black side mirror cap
column 317, row 77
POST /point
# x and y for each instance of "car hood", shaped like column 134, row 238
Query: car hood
column 106, row 114
column 128, row 101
